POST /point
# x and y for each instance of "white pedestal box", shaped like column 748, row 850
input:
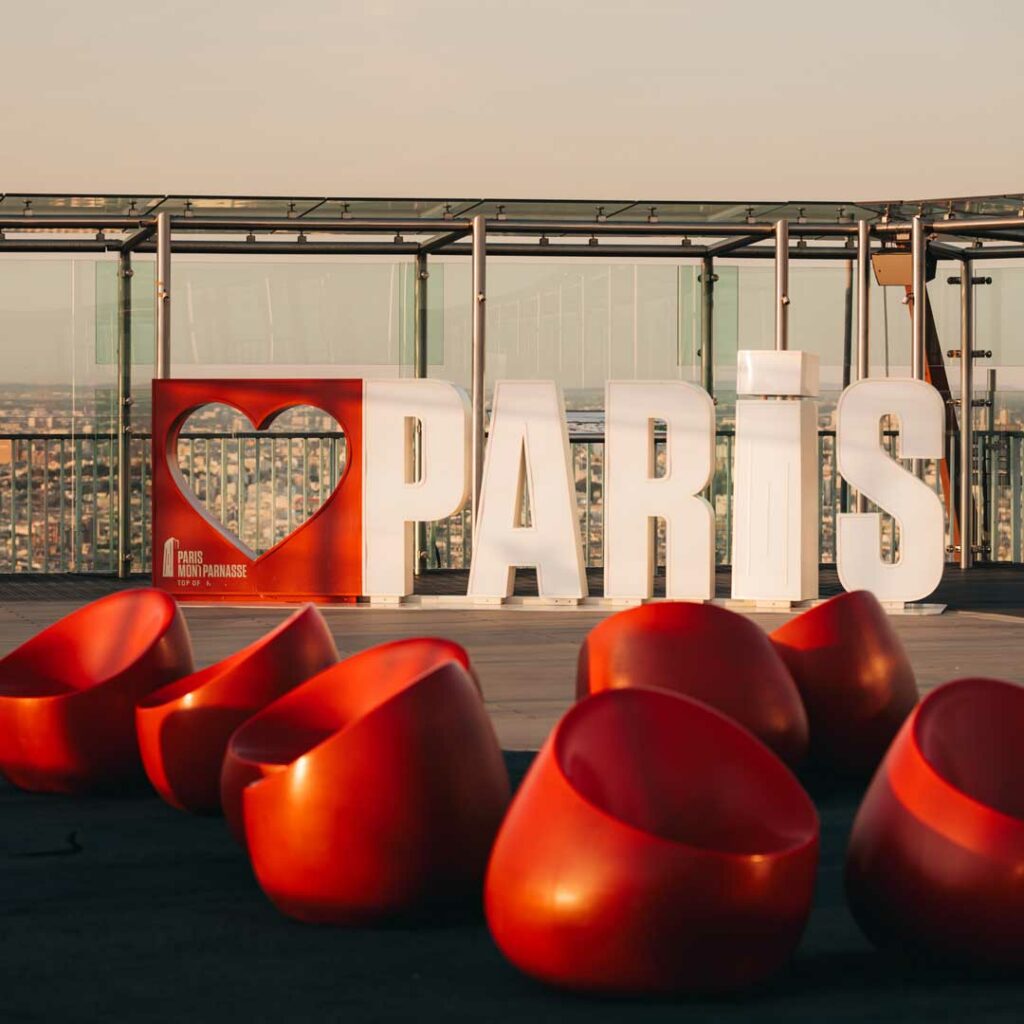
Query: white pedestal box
column 765, row 372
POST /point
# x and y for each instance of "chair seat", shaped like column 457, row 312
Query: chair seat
column 372, row 791
column 184, row 728
column 68, row 695
column 700, row 651
column 936, row 854
column 655, row 846
column 854, row 678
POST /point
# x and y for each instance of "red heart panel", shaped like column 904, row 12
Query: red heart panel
column 195, row 558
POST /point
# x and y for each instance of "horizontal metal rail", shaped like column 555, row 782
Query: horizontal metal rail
column 737, row 238
column 58, row 494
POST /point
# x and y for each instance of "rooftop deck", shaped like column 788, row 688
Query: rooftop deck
column 982, row 633
column 124, row 908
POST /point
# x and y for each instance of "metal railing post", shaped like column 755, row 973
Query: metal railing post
column 479, row 353
column 966, row 416
column 863, row 317
column 863, row 298
column 781, row 285
column 1014, row 442
column 707, row 324
column 162, row 369
column 422, row 558
column 919, row 295
column 848, row 355
column 848, row 358
column 992, row 472
column 124, row 413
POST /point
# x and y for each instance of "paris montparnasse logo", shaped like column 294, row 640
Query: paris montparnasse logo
column 189, row 567
column 170, row 557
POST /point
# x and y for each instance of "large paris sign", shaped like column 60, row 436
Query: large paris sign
column 359, row 543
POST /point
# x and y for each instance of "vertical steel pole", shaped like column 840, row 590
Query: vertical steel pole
column 162, row 369
column 420, row 370
column 124, row 414
column 966, row 416
column 863, row 297
column 479, row 349
column 920, row 297
column 848, row 324
column 1015, row 497
column 420, row 352
column 991, row 473
column 863, row 316
column 707, row 324
column 781, row 285
column 844, row 490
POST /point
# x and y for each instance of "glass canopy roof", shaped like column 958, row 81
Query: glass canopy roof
column 334, row 207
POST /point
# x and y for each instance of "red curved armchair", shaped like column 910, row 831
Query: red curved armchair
column 854, row 676
column 379, row 787
column 653, row 847
column 67, row 696
column 184, row 728
column 700, row 651
column 936, row 855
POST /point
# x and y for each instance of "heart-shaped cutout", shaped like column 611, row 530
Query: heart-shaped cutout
column 259, row 486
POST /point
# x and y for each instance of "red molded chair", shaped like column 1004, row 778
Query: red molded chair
column 854, row 676
column 654, row 846
column 184, row 728
column 700, row 651
column 936, row 856
column 67, row 696
column 379, row 787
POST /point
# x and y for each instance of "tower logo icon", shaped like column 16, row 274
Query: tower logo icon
column 170, row 557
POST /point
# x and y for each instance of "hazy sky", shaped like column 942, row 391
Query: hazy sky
column 661, row 99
